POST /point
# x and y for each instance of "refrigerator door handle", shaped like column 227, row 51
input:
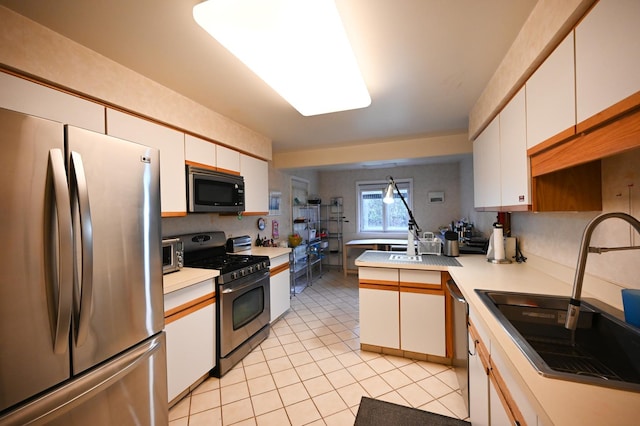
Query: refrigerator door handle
column 62, row 264
column 80, row 194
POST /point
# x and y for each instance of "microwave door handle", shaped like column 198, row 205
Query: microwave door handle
column 60, row 283
column 85, row 287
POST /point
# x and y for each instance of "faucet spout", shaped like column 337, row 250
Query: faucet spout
column 574, row 303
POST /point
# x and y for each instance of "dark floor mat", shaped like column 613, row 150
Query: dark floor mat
column 373, row 412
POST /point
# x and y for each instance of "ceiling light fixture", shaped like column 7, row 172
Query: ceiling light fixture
column 299, row 48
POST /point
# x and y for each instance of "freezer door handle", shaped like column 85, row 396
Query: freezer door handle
column 60, row 257
column 84, row 283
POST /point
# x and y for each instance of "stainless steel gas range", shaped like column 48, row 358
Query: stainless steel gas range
column 242, row 293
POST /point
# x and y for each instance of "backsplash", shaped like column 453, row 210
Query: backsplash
column 557, row 236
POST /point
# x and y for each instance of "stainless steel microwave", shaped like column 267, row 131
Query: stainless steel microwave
column 171, row 255
column 210, row 191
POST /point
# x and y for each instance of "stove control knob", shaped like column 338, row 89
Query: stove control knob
column 250, row 269
column 234, row 275
column 258, row 266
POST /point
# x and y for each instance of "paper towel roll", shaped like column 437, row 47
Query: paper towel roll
column 498, row 244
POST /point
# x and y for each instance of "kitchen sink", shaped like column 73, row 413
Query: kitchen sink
column 603, row 350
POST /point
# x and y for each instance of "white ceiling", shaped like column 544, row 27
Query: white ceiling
column 425, row 62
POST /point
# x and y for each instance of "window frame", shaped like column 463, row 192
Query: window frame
column 406, row 183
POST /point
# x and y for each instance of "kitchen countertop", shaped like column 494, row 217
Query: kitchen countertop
column 381, row 259
column 186, row 277
column 270, row 251
column 557, row 402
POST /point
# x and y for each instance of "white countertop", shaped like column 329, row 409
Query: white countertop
column 270, row 251
column 186, row 277
column 562, row 402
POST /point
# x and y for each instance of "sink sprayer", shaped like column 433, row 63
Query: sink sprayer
column 574, row 304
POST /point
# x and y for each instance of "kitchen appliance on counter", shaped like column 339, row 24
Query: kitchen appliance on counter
column 171, row 255
column 210, row 191
column 81, row 303
column 451, row 247
column 243, row 307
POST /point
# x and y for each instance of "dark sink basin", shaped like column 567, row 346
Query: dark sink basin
column 604, row 350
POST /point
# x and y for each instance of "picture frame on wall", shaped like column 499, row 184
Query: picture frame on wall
column 275, row 203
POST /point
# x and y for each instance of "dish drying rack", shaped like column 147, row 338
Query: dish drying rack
column 429, row 244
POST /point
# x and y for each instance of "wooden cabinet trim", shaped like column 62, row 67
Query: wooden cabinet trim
column 173, row 214
column 615, row 137
column 507, row 401
column 188, row 308
column 379, row 285
column 618, row 109
column 230, row 172
column 278, row 269
column 422, row 289
column 200, row 165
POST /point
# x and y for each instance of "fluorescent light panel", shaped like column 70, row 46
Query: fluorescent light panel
column 298, row 47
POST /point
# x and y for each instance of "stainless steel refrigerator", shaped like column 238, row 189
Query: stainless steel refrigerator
column 81, row 300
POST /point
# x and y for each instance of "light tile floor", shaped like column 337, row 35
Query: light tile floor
column 311, row 371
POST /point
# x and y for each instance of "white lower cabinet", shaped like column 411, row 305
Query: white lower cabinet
column 190, row 320
column 478, row 387
column 422, row 323
column 403, row 309
column 279, row 286
column 495, row 396
column 379, row 317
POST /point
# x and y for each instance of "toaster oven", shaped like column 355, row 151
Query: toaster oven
column 171, row 255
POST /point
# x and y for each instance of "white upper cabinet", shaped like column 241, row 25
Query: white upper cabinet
column 227, row 160
column 514, row 163
column 256, row 184
column 18, row 94
column 171, row 145
column 486, row 166
column 551, row 97
column 199, row 151
column 607, row 56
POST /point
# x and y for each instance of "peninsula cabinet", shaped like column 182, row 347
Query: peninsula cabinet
column 171, row 145
column 551, row 97
column 403, row 312
column 422, row 312
column 379, row 307
column 607, row 61
column 27, row 97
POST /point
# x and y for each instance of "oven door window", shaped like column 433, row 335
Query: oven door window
column 247, row 307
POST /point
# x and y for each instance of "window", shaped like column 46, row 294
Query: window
column 376, row 216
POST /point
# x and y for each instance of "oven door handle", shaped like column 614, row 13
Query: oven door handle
column 252, row 283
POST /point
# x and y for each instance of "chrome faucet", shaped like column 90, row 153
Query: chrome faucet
column 574, row 304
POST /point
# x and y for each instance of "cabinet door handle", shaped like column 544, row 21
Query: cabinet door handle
column 475, row 348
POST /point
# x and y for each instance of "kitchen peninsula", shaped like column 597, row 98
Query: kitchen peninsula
column 538, row 399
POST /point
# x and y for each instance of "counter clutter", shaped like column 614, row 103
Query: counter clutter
column 554, row 401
